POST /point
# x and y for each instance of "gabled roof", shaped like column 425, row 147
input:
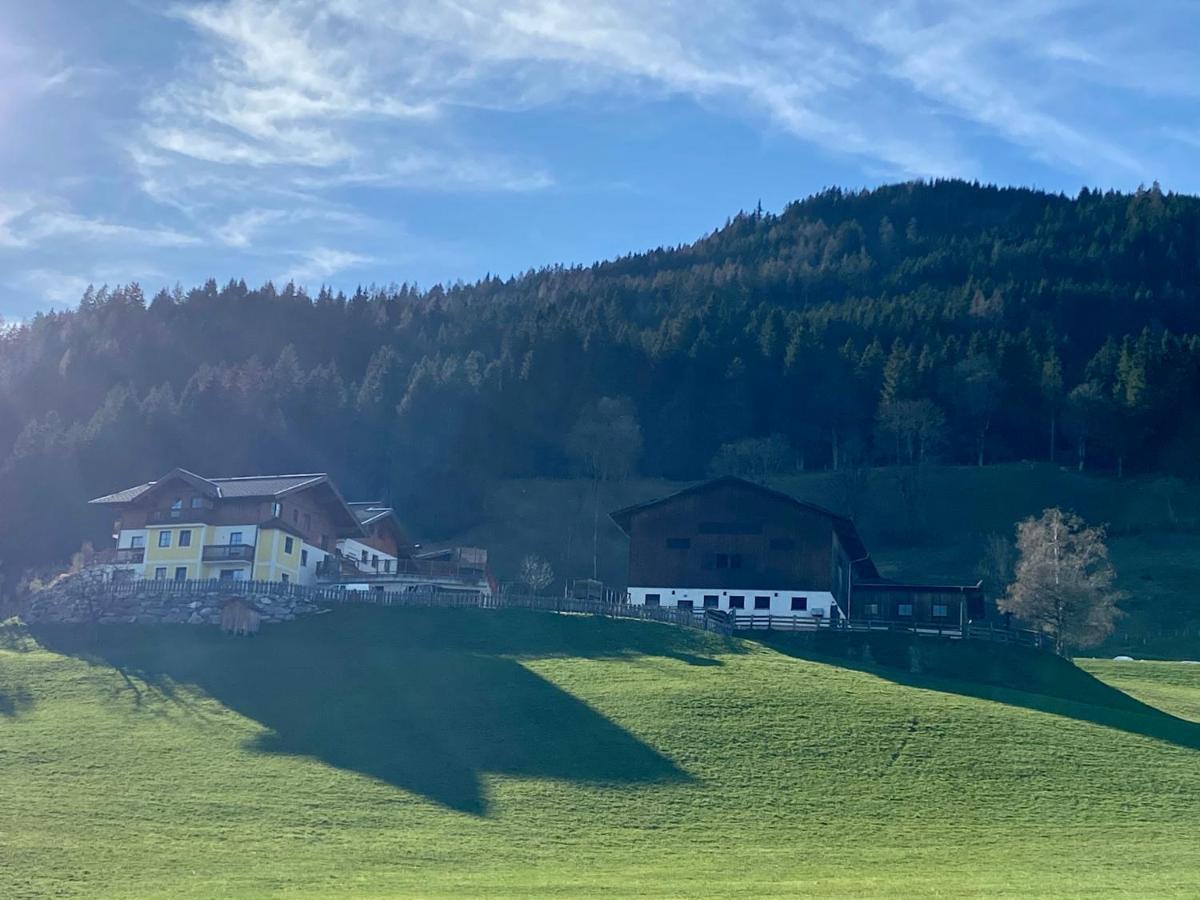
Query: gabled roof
column 370, row 511
column 623, row 516
column 247, row 487
column 843, row 526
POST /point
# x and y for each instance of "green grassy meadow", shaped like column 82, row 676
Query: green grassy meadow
column 387, row 752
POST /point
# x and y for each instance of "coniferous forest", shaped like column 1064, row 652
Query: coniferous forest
column 946, row 320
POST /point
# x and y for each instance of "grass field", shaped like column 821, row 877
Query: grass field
column 1154, row 525
column 375, row 752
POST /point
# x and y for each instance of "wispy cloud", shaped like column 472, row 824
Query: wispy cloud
column 307, row 84
column 26, row 221
column 319, row 263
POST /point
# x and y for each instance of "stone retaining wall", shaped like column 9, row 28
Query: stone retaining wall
column 76, row 598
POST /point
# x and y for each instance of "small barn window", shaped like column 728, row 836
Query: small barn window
column 653, row 599
column 783, row 544
column 872, row 609
column 940, row 610
column 762, row 602
column 711, row 601
column 684, row 604
column 800, row 604
column 678, row 543
column 904, row 609
column 737, row 602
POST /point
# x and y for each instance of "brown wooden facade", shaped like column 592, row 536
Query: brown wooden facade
column 313, row 512
column 730, row 534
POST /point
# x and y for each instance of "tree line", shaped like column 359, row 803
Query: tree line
column 944, row 320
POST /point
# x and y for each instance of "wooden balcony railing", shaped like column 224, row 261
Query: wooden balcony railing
column 228, row 553
column 121, row 556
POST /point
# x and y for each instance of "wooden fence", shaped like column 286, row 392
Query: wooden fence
column 702, row 619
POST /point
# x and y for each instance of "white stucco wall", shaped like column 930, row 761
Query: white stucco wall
column 308, row 573
column 819, row 602
column 354, row 550
column 125, row 538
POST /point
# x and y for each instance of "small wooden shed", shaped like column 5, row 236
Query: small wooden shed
column 240, row 616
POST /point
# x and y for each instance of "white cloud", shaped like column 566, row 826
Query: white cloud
column 27, row 221
column 359, row 91
column 57, row 224
column 13, row 209
column 318, row 263
column 243, row 229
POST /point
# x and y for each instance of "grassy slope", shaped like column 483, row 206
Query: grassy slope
column 1155, row 524
column 464, row 752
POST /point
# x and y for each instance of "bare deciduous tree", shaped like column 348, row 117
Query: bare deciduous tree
column 536, row 574
column 915, row 427
column 754, row 458
column 1063, row 580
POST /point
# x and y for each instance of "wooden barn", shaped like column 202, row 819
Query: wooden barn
column 733, row 545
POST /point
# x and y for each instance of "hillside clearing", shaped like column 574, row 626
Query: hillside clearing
column 380, row 752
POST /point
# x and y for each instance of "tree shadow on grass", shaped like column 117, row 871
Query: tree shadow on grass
column 1017, row 676
column 14, row 701
column 425, row 700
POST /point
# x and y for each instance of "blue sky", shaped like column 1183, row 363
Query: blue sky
column 353, row 142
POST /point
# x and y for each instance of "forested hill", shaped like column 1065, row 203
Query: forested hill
column 952, row 320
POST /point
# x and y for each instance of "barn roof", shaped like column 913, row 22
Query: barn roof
column 843, row 526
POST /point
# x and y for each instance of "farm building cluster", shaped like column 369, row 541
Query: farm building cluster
column 727, row 544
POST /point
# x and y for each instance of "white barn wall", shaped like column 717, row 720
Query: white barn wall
column 819, row 602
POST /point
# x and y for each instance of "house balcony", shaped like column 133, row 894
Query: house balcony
column 346, row 568
column 225, row 553
column 121, row 556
